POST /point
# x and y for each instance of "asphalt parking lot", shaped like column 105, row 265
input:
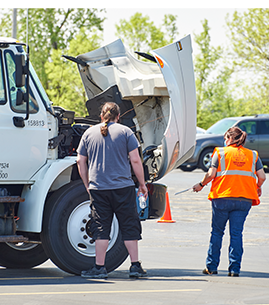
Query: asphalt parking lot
column 173, row 255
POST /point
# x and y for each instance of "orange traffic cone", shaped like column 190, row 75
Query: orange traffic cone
column 167, row 213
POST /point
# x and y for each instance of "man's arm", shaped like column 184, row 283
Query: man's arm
column 83, row 170
column 139, row 171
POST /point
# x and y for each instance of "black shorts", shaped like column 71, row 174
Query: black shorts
column 122, row 202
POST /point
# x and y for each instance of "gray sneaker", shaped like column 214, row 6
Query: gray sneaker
column 137, row 271
column 95, row 273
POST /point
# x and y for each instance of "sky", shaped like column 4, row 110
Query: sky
column 189, row 21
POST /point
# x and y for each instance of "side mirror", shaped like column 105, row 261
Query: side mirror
column 22, row 79
column 21, row 70
column 20, row 98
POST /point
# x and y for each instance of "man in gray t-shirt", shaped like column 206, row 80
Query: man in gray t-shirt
column 104, row 156
column 108, row 156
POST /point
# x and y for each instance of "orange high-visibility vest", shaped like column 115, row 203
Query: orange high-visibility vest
column 236, row 174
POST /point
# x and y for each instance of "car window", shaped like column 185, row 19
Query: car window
column 221, row 126
column 250, row 127
column 264, row 127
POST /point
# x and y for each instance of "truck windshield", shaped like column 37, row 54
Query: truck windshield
column 221, row 126
column 40, row 88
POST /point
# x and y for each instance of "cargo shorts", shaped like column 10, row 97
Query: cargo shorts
column 122, row 202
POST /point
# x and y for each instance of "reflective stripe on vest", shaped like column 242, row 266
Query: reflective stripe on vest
column 224, row 172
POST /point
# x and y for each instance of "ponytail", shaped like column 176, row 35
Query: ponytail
column 109, row 113
column 237, row 135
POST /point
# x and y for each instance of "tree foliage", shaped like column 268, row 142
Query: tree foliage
column 213, row 81
column 52, row 33
column 250, row 46
column 140, row 34
column 249, row 37
column 65, row 87
column 230, row 83
column 49, row 29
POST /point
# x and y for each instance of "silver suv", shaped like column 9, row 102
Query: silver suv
column 257, row 128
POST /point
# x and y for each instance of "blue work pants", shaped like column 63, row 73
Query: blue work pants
column 236, row 211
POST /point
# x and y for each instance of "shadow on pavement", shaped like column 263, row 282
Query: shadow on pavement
column 197, row 273
column 54, row 276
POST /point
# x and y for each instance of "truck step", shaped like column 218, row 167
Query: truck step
column 11, row 199
column 13, row 238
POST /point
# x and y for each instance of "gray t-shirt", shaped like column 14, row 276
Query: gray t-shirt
column 109, row 166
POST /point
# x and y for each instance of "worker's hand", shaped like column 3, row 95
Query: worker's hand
column 197, row 187
column 259, row 190
column 143, row 189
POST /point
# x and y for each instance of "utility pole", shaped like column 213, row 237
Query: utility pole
column 14, row 23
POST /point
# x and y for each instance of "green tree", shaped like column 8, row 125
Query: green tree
column 169, row 23
column 65, row 87
column 140, row 34
column 213, row 81
column 49, row 29
column 250, row 46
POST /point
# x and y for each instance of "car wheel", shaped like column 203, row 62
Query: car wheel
column 205, row 159
column 66, row 237
column 186, row 168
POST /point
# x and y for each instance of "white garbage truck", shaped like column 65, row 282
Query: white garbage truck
column 44, row 207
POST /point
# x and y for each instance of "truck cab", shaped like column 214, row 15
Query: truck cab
column 24, row 150
column 38, row 172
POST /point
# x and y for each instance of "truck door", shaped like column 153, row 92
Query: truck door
column 23, row 149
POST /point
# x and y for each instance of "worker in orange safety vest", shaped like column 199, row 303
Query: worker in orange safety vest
column 237, row 175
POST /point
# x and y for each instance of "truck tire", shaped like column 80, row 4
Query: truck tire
column 205, row 159
column 65, row 236
column 21, row 255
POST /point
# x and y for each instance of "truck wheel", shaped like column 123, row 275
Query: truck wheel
column 65, row 236
column 21, row 255
column 205, row 159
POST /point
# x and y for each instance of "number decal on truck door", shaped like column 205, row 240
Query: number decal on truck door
column 36, row 123
column 3, row 166
column 3, row 175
